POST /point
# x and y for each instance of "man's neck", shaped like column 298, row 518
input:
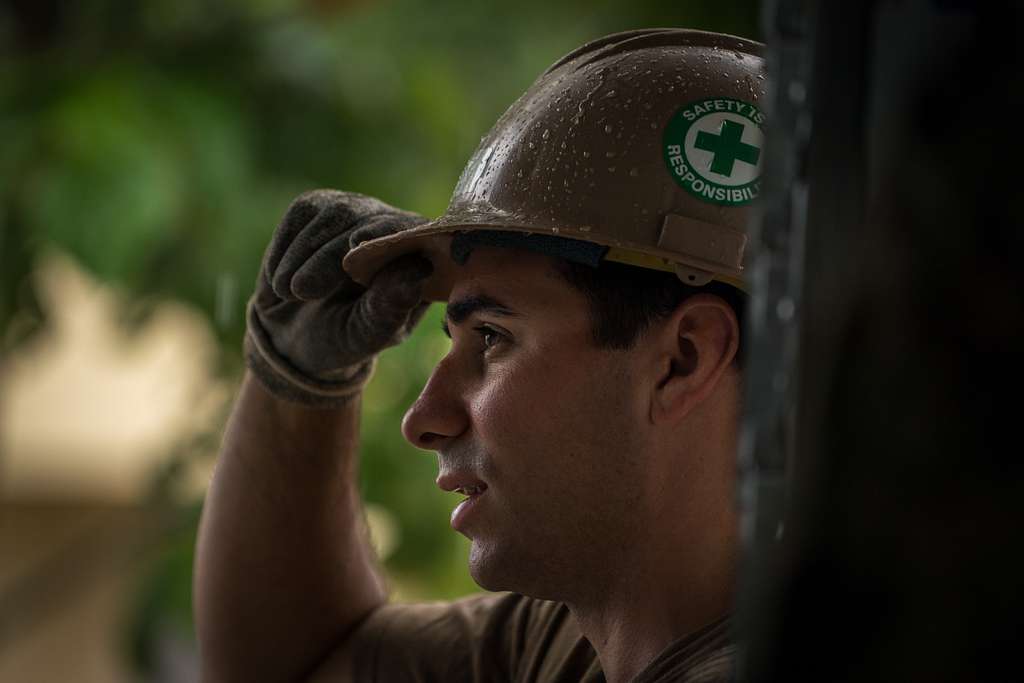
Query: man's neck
column 653, row 604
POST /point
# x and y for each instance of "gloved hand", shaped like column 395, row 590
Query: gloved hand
column 313, row 334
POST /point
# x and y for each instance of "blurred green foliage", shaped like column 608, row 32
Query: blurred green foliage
column 160, row 141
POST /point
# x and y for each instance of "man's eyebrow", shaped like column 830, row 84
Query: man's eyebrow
column 458, row 310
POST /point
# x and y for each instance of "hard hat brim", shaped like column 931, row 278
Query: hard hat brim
column 433, row 241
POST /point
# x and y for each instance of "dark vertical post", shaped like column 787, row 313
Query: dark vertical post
column 902, row 558
column 775, row 271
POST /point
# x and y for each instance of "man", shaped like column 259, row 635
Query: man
column 588, row 408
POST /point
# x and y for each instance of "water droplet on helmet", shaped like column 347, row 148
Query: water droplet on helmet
column 547, row 133
column 586, row 154
column 608, row 128
column 634, row 171
column 610, row 155
column 530, row 145
column 519, row 173
column 584, row 228
column 611, row 169
column 610, row 93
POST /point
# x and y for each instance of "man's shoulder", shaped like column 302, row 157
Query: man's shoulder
column 479, row 614
column 704, row 656
column 484, row 637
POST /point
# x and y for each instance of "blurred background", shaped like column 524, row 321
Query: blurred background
column 147, row 151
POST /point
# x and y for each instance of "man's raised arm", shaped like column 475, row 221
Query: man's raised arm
column 283, row 568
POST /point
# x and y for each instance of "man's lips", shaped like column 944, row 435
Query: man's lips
column 461, row 482
column 469, row 486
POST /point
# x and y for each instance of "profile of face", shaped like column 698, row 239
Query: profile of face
column 553, row 429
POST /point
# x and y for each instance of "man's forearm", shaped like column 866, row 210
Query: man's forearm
column 283, row 567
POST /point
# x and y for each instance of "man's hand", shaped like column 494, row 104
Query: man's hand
column 313, row 333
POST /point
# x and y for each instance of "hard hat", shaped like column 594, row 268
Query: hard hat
column 647, row 142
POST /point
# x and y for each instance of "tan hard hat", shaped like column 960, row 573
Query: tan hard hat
column 647, row 142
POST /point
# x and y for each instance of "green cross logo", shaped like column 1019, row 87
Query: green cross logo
column 712, row 149
column 727, row 147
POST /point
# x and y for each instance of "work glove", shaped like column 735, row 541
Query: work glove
column 313, row 334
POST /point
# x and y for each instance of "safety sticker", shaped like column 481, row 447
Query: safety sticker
column 713, row 148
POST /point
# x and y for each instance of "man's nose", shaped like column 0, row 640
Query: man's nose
column 439, row 414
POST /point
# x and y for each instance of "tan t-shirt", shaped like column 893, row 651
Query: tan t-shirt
column 499, row 637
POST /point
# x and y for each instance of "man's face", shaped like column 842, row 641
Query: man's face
column 554, row 428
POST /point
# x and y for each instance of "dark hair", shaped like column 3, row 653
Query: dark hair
column 626, row 300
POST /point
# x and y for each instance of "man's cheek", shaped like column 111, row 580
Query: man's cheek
column 512, row 407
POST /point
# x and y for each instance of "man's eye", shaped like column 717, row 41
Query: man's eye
column 489, row 335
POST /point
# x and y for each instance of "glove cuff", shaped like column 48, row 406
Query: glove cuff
column 285, row 381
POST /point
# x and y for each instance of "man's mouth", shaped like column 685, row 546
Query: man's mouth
column 471, row 490
column 463, row 482
column 467, row 485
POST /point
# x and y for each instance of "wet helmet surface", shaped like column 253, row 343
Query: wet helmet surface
column 646, row 142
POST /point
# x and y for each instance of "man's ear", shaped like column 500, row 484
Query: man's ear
column 695, row 346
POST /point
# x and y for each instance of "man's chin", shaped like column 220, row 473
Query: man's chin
column 487, row 569
column 495, row 569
